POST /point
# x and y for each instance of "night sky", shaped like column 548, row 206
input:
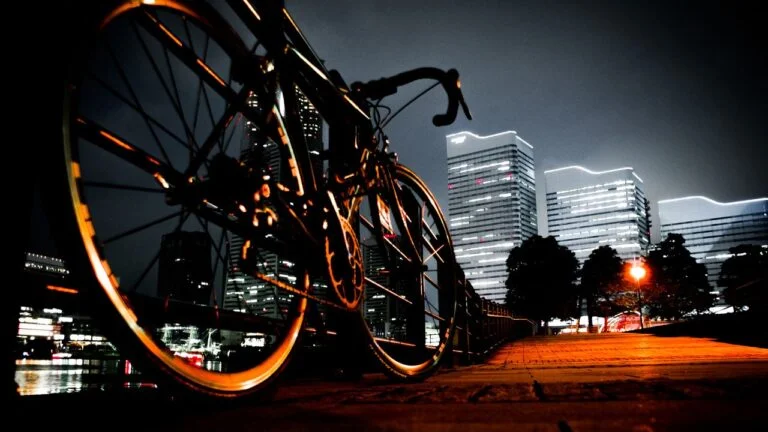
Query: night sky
column 675, row 90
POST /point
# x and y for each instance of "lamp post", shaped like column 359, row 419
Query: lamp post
column 637, row 271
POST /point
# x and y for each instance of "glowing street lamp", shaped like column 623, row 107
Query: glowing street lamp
column 637, row 271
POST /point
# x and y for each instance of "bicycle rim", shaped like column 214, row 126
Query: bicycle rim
column 409, row 310
column 140, row 106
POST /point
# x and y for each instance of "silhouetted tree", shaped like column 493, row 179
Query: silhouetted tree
column 601, row 278
column 678, row 284
column 745, row 276
column 541, row 279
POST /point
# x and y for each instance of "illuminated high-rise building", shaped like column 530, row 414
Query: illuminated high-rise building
column 45, row 265
column 587, row 209
column 711, row 228
column 491, row 204
column 243, row 292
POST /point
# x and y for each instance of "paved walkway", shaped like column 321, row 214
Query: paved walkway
column 622, row 356
column 563, row 383
column 621, row 349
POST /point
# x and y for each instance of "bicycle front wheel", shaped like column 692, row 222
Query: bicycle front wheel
column 161, row 165
column 410, row 285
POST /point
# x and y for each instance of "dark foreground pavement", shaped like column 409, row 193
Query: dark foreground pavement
column 627, row 382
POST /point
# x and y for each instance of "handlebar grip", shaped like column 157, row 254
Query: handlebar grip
column 450, row 82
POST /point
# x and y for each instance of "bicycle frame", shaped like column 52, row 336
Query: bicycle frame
column 354, row 164
column 351, row 136
column 299, row 65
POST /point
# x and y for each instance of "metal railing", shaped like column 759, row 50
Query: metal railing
column 482, row 325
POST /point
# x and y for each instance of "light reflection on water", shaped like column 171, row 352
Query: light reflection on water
column 37, row 377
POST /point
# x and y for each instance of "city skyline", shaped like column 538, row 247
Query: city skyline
column 672, row 90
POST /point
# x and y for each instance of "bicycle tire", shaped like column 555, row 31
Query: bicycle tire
column 120, row 316
column 402, row 363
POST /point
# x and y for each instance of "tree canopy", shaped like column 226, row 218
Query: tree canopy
column 745, row 277
column 601, row 280
column 678, row 284
column 541, row 279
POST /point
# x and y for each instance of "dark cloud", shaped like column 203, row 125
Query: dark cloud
column 674, row 89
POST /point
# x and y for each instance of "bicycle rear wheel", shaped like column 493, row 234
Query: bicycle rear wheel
column 162, row 155
column 410, row 285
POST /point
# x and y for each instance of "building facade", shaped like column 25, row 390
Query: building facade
column 710, row 228
column 587, row 209
column 491, row 204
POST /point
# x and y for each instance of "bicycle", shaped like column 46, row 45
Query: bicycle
column 275, row 224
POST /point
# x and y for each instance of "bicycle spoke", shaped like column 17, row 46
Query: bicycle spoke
column 199, row 80
column 141, row 227
column 160, row 78
column 218, row 129
column 145, row 272
column 368, row 224
column 200, row 87
column 157, row 256
column 121, row 186
column 431, row 281
column 140, row 109
column 387, row 290
column 210, row 117
column 205, row 227
column 437, row 317
column 429, row 229
column 434, row 252
column 141, row 112
column 186, row 56
column 120, row 147
column 401, row 253
column 238, row 100
column 183, row 118
column 232, row 133
column 218, row 252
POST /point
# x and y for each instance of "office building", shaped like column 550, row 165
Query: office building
column 587, row 209
column 491, row 204
column 45, row 265
column 710, row 228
